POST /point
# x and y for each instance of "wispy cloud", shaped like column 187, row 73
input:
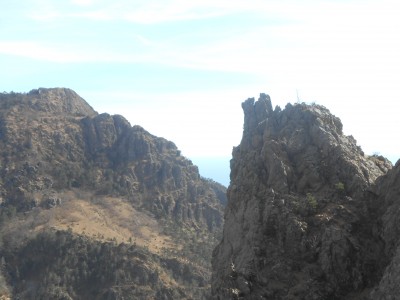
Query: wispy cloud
column 143, row 12
column 320, row 36
column 155, row 11
column 61, row 53
column 38, row 51
column 82, row 2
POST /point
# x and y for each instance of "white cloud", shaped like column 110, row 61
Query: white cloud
column 325, row 43
column 45, row 16
column 82, row 2
column 37, row 51
column 64, row 53
column 156, row 11
column 315, row 12
column 94, row 15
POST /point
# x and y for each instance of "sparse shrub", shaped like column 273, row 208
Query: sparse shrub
column 340, row 188
column 312, row 202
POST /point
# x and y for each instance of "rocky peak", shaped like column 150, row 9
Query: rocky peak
column 61, row 100
column 256, row 114
column 302, row 149
column 298, row 223
column 54, row 100
column 95, row 180
column 66, row 141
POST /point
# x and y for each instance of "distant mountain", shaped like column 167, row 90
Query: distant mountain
column 309, row 215
column 93, row 208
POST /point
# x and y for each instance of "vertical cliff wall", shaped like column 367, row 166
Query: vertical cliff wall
column 300, row 222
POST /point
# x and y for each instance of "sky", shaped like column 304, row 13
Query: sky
column 181, row 69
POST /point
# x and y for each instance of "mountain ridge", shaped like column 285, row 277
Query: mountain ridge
column 68, row 173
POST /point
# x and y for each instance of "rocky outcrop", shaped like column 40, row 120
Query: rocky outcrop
column 57, row 101
column 51, row 138
column 304, row 219
column 61, row 163
column 152, row 171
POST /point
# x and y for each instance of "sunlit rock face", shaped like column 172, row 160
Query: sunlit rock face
column 309, row 214
column 56, row 140
column 94, row 208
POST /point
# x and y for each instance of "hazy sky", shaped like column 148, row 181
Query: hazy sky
column 181, row 69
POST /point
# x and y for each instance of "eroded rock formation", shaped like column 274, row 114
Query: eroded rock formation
column 51, row 138
column 94, row 208
column 304, row 218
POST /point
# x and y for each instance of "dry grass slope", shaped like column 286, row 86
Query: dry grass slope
column 101, row 218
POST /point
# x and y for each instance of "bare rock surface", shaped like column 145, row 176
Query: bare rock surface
column 51, row 138
column 305, row 219
column 92, row 207
column 385, row 196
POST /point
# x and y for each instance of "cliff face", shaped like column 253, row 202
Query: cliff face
column 51, row 138
column 385, row 195
column 95, row 180
column 304, row 219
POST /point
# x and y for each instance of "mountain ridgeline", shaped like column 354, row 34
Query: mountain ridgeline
column 94, row 208
column 309, row 215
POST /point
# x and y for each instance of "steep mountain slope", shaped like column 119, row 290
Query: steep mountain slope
column 94, row 180
column 304, row 219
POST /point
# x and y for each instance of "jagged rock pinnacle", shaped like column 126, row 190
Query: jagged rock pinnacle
column 297, row 222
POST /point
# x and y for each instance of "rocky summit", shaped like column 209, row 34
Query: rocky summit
column 309, row 214
column 94, row 208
